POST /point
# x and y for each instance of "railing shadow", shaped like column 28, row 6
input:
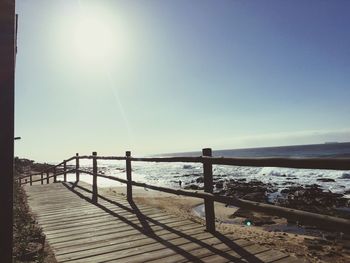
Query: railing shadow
column 147, row 230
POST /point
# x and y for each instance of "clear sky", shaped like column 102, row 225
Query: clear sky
column 168, row 76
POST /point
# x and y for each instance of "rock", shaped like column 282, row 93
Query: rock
column 325, row 180
column 219, row 185
column 345, row 176
column 254, row 190
column 313, row 199
column 286, row 183
column 257, row 197
column 200, row 180
column 191, row 187
column 291, row 189
column 312, row 186
column 241, row 180
column 195, row 175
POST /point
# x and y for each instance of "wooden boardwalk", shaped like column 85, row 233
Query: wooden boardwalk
column 114, row 230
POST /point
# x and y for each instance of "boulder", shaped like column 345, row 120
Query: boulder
column 200, row 180
column 219, row 185
column 191, row 187
column 325, row 180
column 313, row 199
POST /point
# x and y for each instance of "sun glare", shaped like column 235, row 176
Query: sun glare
column 92, row 36
column 93, row 39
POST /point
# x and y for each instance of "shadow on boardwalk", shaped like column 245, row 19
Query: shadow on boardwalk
column 228, row 250
column 115, row 230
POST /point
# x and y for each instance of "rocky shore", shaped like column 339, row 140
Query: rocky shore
column 310, row 198
column 316, row 244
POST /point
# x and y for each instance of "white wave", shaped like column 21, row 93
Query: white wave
column 169, row 174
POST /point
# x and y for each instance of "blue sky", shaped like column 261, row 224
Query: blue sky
column 180, row 75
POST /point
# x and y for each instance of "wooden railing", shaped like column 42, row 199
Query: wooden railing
column 324, row 221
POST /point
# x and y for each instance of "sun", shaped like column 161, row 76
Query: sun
column 93, row 39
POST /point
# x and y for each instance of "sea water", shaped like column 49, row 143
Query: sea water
column 169, row 174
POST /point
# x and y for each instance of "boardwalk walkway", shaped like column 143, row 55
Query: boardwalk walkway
column 114, row 230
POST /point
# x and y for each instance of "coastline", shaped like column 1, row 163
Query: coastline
column 312, row 244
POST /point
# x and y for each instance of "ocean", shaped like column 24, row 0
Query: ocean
column 169, row 174
column 331, row 150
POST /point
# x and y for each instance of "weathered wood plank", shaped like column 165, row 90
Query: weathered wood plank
column 102, row 225
column 115, row 230
column 202, row 253
column 127, row 238
column 134, row 241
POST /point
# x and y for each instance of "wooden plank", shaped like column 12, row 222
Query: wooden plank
column 85, row 213
column 133, row 241
column 291, row 260
column 117, row 228
column 125, row 231
column 112, row 230
column 93, row 224
column 82, row 215
column 127, row 238
column 271, row 256
column 150, row 251
column 202, row 253
column 252, row 248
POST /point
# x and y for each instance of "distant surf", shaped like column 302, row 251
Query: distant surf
column 169, row 174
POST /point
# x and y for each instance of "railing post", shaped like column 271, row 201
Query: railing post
column 47, row 177
column 64, row 171
column 54, row 175
column 94, row 177
column 208, row 188
column 77, row 174
column 42, row 178
column 128, row 176
column 31, row 180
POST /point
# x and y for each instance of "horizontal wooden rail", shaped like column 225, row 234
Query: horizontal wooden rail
column 116, row 158
column 299, row 163
column 324, row 221
column 47, row 177
column 28, row 175
column 168, row 159
column 65, row 161
column 46, row 170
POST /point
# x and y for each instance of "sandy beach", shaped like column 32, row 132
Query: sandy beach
column 313, row 245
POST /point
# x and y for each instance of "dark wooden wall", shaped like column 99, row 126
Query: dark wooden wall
column 7, row 82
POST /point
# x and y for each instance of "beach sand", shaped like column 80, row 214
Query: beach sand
column 309, row 247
